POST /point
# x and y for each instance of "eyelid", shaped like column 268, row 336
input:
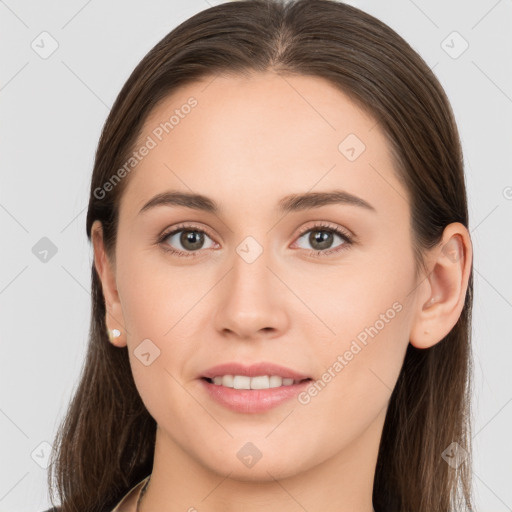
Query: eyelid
column 184, row 227
column 327, row 225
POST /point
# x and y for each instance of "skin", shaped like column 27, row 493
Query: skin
column 249, row 142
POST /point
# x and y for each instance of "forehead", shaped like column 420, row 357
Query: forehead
column 251, row 140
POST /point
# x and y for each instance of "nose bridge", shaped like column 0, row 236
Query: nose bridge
column 250, row 279
column 252, row 300
column 250, row 265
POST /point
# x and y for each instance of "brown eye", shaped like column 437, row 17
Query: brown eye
column 191, row 240
column 321, row 239
column 185, row 241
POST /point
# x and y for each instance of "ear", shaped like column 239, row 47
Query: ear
column 442, row 292
column 106, row 272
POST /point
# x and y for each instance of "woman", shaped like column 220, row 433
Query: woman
column 282, row 277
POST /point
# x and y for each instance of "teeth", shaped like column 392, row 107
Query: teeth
column 240, row 382
column 259, row 382
column 275, row 381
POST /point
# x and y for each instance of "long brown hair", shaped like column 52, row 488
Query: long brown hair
column 105, row 444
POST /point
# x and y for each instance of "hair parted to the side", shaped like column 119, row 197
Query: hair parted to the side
column 105, row 444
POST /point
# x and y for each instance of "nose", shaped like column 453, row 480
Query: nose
column 252, row 300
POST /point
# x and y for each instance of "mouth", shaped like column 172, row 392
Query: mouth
column 253, row 383
column 256, row 388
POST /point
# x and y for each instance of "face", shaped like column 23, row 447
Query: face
column 321, row 286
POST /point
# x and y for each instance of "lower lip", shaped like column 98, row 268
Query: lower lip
column 252, row 400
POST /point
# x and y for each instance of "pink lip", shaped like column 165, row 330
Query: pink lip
column 263, row 368
column 252, row 400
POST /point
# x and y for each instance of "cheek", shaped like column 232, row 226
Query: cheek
column 363, row 296
column 368, row 311
column 154, row 306
column 160, row 342
column 360, row 373
column 154, row 295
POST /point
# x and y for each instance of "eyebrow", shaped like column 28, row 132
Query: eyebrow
column 289, row 203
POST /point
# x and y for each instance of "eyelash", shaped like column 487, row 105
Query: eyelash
column 348, row 241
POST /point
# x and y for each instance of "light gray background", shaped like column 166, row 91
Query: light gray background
column 52, row 113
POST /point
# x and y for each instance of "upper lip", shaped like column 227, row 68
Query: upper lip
column 254, row 370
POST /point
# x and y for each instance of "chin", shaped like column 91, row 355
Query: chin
column 274, row 465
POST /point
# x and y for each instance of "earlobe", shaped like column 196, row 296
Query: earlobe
column 114, row 320
column 442, row 293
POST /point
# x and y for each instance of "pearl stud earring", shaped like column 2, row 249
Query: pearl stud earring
column 113, row 334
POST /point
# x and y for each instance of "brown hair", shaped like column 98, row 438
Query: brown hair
column 105, row 444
